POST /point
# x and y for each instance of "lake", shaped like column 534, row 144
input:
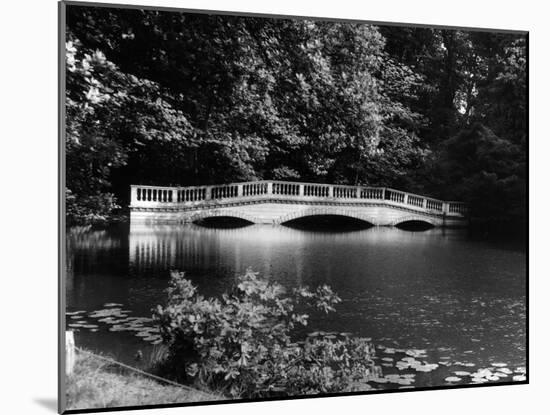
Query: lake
column 435, row 296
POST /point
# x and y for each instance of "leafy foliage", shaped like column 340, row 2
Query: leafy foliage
column 242, row 343
column 168, row 98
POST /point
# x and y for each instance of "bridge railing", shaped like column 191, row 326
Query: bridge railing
column 162, row 196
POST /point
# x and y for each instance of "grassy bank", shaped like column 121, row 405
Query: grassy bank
column 96, row 383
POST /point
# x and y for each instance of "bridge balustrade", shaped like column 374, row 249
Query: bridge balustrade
column 345, row 192
column 415, row 201
column 224, row 192
column 458, row 207
column 434, row 205
column 371, row 193
column 286, row 188
column 157, row 196
column 316, row 190
column 191, row 195
column 254, row 189
column 153, row 194
column 395, row 196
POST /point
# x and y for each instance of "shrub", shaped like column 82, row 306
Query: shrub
column 241, row 344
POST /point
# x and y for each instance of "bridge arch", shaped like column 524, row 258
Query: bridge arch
column 332, row 211
column 222, row 213
column 415, row 218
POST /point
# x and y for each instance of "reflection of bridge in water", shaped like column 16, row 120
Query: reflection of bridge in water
column 162, row 247
column 276, row 202
column 289, row 253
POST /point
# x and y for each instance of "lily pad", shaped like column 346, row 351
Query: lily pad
column 452, row 379
column 519, row 378
column 499, row 364
column 461, row 373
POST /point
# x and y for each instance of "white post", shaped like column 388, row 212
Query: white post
column 300, row 190
column 69, row 352
column 133, row 195
column 269, row 188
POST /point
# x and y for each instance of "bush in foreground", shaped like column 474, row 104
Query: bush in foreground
column 242, row 343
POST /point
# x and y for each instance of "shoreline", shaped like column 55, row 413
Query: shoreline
column 97, row 383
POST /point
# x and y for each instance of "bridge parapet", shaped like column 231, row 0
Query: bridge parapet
column 272, row 190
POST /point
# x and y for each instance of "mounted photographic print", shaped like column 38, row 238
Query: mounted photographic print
column 259, row 207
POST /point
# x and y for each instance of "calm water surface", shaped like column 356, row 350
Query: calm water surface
column 461, row 301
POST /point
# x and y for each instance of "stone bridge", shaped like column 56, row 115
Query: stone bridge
column 277, row 202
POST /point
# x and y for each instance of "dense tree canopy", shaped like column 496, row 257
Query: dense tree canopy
column 177, row 98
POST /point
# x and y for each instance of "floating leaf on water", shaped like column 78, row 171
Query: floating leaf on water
column 425, row 368
column 112, row 305
column 93, row 330
column 461, row 373
column 115, row 328
column 76, row 317
column 444, row 363
column 73, row 313
column 142, row 334
column 505, row 370
column 465, row 364
column 452, row 379
column 519, row 378
column 499, row 364
column 389, row 350
column 482, row 373
column 387, row 359
column 415, row 352
column 404, row 382
column 89, row 326
column 387, row 364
